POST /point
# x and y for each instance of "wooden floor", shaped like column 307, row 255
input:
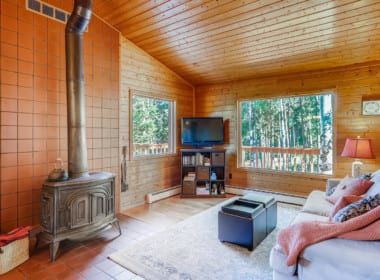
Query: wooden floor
column 172, row 210
column 88, row 259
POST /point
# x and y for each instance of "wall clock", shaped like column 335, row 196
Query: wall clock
column 371, row 107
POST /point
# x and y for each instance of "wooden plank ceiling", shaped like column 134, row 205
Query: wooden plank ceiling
column 211, row 41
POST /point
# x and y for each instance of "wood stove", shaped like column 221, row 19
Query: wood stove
column 79, row 205
column 77, row 209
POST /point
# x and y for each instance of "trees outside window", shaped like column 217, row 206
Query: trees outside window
column 288, row 134
column 153, row 126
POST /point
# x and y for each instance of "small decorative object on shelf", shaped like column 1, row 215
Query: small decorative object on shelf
column 58, row 173
column 203, row 172
column 221, row 189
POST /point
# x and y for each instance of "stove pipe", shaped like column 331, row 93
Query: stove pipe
column 76, row 108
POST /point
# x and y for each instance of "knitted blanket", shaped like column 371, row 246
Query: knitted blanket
column 299, row 235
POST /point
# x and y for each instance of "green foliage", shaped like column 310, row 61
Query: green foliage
column 293, row 122
column 302, row 122
column 150, row 119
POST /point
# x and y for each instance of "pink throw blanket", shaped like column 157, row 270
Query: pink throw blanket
column 297, row 236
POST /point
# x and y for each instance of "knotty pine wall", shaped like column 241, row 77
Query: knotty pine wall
column 350, row 84
column 144, row 75
column 33, row 105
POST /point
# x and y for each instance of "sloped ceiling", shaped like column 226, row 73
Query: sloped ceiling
column 208, row 42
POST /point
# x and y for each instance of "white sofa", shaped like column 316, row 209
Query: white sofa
column 331, row 259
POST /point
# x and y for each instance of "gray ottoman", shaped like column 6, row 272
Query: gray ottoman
column 270, row 205
column 242, row 223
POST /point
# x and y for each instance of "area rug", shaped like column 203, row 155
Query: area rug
column 191, row 250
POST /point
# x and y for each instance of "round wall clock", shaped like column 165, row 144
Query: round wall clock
column 371, row 107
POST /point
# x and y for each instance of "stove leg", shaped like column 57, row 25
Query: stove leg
column 117, row 225
column 53, row 250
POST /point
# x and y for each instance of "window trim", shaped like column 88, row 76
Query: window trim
column 239, row 164
column 172, row 134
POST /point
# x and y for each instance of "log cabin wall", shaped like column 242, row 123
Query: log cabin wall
column 350, row 84
column 144, row 75
column 33, row 105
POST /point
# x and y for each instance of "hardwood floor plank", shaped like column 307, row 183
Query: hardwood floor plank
column 167, row 212
column 87, row 259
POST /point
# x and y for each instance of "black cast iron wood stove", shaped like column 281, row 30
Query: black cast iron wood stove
column 84, row 204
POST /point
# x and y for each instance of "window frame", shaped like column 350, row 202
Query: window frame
column 239, row 164
column 172, row 133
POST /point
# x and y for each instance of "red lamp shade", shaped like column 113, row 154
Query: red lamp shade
column 358, row 148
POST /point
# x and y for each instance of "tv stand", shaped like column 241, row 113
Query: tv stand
column 203, row 172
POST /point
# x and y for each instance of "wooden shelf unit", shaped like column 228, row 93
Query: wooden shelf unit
column 203, row 173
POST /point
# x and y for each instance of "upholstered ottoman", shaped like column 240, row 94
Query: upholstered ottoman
column 242, row 223
column 270, row 205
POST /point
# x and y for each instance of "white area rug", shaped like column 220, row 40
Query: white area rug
column 191, row 250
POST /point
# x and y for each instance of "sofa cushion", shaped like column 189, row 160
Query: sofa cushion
column 277, row 261
column 341, row 259
column 316, row 203
column 305, row 217
column 349, row 186
column 375, row 176
column 331, row 185
column 357, row 208
column 374, row 189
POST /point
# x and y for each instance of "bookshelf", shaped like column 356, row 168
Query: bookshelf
column 203, row 172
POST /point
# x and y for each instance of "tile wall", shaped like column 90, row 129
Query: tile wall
column 33, row 130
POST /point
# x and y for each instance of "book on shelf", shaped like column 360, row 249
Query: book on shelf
column 188, row 160
column 202, row 190
column 199, row 159
column 189, row 178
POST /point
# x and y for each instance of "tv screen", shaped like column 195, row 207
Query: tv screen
column 202, row 132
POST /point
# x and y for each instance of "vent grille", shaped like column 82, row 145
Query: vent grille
column 44, row 9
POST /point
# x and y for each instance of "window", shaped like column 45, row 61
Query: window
column 153, row 126
column 287, row 134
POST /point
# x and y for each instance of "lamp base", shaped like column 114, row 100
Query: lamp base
column 357, row 168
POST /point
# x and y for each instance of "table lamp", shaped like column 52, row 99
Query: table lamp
column 358, row 148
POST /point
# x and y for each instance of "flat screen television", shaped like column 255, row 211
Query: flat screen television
column 202, row 132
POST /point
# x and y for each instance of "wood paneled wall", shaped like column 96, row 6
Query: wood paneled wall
column 33, row 105
column 350, row 84
column 142, row 74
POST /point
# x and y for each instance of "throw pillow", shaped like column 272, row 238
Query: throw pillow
column 330, row 191
column 357, row 208
column 343, row 202
column 349, row 186
column 365, row 176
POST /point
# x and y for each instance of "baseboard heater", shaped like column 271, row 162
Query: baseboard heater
column 161, row 194
column 287, row 198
